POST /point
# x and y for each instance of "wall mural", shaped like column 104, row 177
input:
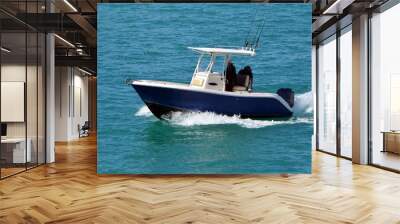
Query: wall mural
column 204, row 88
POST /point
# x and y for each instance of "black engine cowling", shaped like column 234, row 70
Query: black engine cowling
column 287, row 94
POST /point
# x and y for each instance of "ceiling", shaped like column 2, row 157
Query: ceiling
column 75, row 22
column 330, row 15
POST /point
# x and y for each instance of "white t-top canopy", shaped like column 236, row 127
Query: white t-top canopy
column 224, row 51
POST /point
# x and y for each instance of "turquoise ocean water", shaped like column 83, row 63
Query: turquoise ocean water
column 149, row 41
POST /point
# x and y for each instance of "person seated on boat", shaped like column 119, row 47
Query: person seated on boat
column 244, row 80
column 230, row 74
column 249, row 72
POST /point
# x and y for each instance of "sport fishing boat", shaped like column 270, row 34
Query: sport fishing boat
column 211, row 90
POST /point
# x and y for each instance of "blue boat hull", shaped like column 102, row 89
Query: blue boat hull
column 162, row 101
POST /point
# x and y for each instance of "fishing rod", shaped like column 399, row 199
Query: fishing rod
column 254, row 43
column 247, row 43
column 259, row 34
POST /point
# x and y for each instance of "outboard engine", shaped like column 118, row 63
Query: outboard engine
column 287, row 94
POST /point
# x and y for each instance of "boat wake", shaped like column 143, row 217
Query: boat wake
column 303, row 104
column 302, row 114
column 209, row 118
column 144, row 111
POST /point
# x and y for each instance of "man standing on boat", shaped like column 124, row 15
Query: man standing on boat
column 230, row 74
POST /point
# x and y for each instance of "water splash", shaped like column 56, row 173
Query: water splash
column 303, row 108
column 208, row 118
column 144, row 111
column 303, row 104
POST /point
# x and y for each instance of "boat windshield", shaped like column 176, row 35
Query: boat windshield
column 219, row 65
column 211, row 63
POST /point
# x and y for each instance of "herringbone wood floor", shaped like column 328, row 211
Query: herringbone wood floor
column 70, row 191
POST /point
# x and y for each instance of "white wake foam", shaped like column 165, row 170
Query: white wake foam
column 303, row 104
column 144, row 111
column 303, row 108
column 209, row 118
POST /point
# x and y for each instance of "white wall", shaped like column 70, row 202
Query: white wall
column 33, row 127
column 80, row 112
column 17, row 73
column 62, row 83
column 71, row 94
column 9, row 73
column 14, row 73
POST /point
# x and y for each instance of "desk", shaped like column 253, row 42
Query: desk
column 18, row 150
column 391, row 141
